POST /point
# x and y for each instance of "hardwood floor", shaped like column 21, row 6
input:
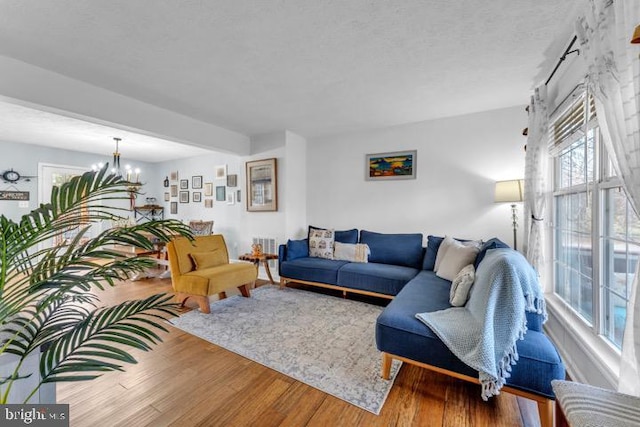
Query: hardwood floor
column 186, row 381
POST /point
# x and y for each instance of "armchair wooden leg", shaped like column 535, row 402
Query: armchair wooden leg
column 203, row 303
column 222, row 295
column 244, row 290
column 386, row 366
column 545, row 411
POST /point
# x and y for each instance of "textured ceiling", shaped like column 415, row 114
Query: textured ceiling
column 315, row 67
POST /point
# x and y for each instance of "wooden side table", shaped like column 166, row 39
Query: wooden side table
column 257, row 259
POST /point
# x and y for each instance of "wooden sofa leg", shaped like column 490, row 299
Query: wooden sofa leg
column 283, row 283
column 244, row 290
column 386, row 366
column 545, row 411
column 222, row 295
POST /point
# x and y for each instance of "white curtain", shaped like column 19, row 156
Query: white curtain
column 614, row 79
column 535, row 178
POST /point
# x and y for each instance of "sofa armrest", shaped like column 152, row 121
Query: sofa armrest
column 282, row 255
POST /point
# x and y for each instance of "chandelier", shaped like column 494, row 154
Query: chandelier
column 129, row 174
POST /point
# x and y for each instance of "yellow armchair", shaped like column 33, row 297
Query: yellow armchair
column 201, row 268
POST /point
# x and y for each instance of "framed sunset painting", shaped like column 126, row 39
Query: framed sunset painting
column 394, row 165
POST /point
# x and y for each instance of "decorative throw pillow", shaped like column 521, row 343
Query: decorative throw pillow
column 461, row 286
column 446, row 243
column 208, row 259
column 358, row 252
column 455, row 258
column 442, row 250
column 321, row 243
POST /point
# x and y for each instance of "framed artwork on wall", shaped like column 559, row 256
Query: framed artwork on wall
column 231, row 199
column 208, row 189
column 196, row 182
column 390, row 166
column 232, row 180
column 173, row 176
column 262, row 185
column 184, row 197
column 197, row 197
column 174, row 208
column 174, row 190
column 184, row 184
column 238, row 198
column 221, row 194
column 208, row 203
column 166, row 197
column 221, row 172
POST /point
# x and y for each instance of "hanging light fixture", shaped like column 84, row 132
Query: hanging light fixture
column 129, row 173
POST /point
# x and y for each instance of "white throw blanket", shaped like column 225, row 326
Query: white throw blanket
column 483, row 333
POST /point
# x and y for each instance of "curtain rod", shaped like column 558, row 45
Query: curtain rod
column 567, row 51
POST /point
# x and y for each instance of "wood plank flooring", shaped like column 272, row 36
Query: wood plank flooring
column 186, row 381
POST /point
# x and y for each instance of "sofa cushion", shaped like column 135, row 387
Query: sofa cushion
column 395, row 249
column 312, row 270
column 342, row 236
column 398, row 332
column 381, row 278
column 321, row 243
column 297, row 249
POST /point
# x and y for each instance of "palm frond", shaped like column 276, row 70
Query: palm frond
column 91, row 347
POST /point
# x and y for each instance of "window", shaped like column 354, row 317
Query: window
column 596, row 233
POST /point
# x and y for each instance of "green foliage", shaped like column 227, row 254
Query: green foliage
column 45, row 291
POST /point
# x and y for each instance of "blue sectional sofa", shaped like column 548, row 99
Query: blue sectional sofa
column 401, row 269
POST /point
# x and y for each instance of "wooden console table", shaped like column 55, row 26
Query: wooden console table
column 257, row 259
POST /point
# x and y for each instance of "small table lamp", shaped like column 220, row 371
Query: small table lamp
column 511, row 191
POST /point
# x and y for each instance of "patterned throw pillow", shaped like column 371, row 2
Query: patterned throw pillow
column 461, row 286
column 321, row 243
column 358, row 252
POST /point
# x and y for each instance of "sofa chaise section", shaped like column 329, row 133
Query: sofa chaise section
column 401, row 336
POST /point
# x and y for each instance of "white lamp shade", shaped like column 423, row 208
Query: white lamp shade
column 509, row 191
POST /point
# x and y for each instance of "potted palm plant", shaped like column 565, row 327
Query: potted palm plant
column 46, row 299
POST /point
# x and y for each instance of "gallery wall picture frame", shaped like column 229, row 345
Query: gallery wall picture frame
column 173, row 176
column 184, row 184
column 231, row 198
column 221, row 172
column 208, row 203
column 174, row 190
column 238, row 196
column 208, row 189
column 232, row 180
column 167, row 196
column 196, row 182
column 391, row 166
column 184, row 197
column 221, row 194
column 197, row 196
column 262, row 185
column 173, row 208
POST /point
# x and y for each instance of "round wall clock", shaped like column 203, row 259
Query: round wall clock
column 11, row 176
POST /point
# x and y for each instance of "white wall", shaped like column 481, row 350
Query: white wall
column 459, row 159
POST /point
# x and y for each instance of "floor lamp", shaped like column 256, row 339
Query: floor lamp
column 511, row 191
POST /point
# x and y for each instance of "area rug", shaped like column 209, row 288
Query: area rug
column 323, row 341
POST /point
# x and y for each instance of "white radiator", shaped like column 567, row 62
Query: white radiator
column 269, row 246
